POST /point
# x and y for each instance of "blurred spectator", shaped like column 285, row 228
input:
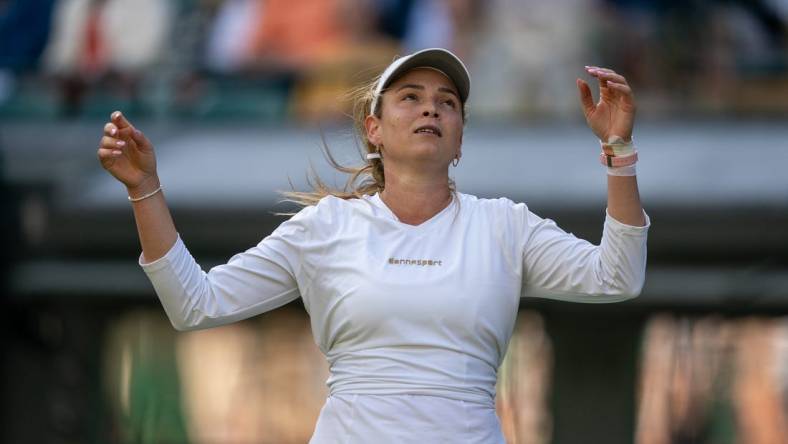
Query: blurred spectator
column 760, row 406
column 292, row 35
column 96, row 39
column 140, row 380
column 358, row 52
column 229, row 40
column 429, row 25
column 270, row 385
column 524, row 382
column 710, row 380
column 698, row 55
column 527, row 56
column 275, row 35
column 24, row 29
column 443, row 23
column 312, row 51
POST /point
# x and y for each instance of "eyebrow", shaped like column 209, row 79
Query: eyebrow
column 421, row 87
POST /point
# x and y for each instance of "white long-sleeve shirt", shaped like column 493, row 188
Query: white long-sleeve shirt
column 406, row 315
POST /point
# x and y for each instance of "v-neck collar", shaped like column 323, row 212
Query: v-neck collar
column 378, row 202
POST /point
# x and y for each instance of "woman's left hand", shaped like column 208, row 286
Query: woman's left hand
column 614, row 114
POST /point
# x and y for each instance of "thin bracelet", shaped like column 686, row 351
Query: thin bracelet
column 137, row 199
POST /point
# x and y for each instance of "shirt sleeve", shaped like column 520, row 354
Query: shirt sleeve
column 557, row 265
column 255, row 281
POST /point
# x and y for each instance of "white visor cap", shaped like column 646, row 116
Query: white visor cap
column 436, row 58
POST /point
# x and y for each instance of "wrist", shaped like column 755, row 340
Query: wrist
column 619, row 156
column 616, row 146
column 148, row 185
column 628, row 170
column 615, row 138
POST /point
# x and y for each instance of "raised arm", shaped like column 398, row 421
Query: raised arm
column 557, row 264
column 128, row 155
column 252, row 282
column 612, row 119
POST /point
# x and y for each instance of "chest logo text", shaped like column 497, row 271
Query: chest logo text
column 416, row 262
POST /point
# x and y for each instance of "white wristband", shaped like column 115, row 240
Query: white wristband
column 628, row 170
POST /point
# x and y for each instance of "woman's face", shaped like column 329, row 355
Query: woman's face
column 421, row 122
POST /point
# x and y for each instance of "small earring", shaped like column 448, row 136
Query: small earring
column 455, row 162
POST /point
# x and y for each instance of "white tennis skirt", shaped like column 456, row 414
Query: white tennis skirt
column 402, row 419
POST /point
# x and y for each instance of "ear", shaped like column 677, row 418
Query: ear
column 372, row 125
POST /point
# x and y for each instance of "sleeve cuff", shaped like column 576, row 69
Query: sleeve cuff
column 165, row 260
column 624, row 228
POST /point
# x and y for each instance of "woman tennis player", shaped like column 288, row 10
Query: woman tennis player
column 412, row 287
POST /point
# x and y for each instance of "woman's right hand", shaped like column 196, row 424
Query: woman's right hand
column 128, row 155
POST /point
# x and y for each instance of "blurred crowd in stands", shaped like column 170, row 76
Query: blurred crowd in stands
column 701, row 379
column 294, row 59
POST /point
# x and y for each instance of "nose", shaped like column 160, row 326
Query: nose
column 431, row 108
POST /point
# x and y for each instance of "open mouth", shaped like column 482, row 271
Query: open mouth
column 429, row 129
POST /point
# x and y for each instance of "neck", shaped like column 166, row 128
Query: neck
column 415, row 199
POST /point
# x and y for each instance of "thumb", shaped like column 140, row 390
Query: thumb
column 586, row 100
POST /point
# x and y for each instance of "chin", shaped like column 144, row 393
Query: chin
column 429, row 149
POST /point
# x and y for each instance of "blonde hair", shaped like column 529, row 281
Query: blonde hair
column 366, row 179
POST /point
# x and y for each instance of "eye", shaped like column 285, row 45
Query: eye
column 409, row 96
column 450, row 102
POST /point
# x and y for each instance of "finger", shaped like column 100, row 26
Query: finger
column 586, row 99
column 110, row 129
column 112, row 143
column 603, row 75
column 120, row 120
column 107, row 157
column 624, row 88
column 129, row 133
column 624, row 92
column 594, row 72
column 611, row 76
column 125, row 134
column 598, row 68
column 106, row 153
